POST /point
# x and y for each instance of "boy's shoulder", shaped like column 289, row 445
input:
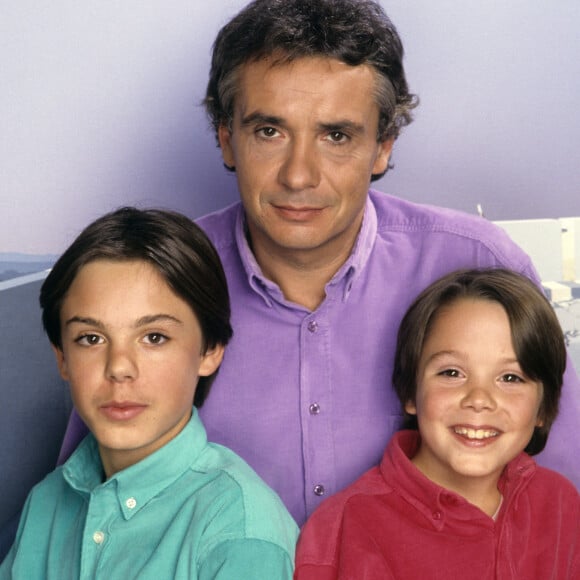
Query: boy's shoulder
column 553, row 486
column 239, row 503
column 240, row 483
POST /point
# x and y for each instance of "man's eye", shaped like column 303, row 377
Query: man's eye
column 267, row 132
column 337, row 137
column 89, row 339
column 155, row 338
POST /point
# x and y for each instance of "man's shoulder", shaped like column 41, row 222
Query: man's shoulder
column 220, row 225
column 453, row 228
column 395, row 212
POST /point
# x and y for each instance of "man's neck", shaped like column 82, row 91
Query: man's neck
column 301, row 276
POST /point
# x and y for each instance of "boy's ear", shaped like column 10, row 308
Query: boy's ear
column 211, row 360
column 411, row 408
column 60, row 362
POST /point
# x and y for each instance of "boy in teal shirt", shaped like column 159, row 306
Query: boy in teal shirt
column 137, row 312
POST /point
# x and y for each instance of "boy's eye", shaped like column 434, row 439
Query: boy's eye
column 155, row 338
column 511, row 378
column 450, row 373
column 89, row 339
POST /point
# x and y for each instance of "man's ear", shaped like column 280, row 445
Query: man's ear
column 225, row 141
column 385, row 148
column 411, row 408
column 60, row 362
column 211, row 360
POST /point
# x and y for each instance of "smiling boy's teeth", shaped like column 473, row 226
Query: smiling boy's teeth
column 475, row 433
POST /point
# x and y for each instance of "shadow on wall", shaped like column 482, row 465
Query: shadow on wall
column 34, row 402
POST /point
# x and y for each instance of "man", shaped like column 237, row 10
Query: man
column 307, row 98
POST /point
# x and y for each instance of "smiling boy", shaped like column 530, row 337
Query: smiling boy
column 137, row 312
column 478, row 370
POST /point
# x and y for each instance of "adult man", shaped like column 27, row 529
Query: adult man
column 307, row 98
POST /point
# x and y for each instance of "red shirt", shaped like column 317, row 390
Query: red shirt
column 395, row 523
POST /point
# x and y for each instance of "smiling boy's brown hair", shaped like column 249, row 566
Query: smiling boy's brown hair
column 537, row 337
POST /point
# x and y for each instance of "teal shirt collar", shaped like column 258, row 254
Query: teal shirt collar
column 135, row 486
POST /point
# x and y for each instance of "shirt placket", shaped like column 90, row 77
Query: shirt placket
column 97, row 532
column 316, row 410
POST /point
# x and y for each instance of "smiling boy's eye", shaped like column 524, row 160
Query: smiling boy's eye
column 512, row 378
column 449, row 373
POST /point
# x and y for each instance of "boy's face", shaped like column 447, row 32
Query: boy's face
column 132, row 353
column 475, row 407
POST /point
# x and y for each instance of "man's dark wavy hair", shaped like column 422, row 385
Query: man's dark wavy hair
column 355, row 32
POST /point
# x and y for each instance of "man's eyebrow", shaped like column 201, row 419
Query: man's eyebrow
column 261, row 118
column 344, row 126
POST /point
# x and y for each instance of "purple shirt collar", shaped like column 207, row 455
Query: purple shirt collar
column 344, row 277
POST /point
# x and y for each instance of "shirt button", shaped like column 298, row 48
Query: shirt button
column 98, row 537
column 131, row 503
column 437, row 515
column 319, row 490
column 313, row 326
column 314, row 409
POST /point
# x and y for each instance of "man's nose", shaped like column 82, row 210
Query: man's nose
column 300, row 169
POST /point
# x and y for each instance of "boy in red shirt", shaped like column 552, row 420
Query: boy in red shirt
column 478, row 371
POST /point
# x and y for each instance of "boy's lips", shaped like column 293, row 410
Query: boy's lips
column 475, row 434
column 122, row 410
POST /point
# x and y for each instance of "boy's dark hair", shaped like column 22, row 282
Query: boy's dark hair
column 537, row 337
column 355, row 32
column 177, row 248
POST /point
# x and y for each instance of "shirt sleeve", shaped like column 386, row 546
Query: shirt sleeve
column 7, row 565
column 250, row 559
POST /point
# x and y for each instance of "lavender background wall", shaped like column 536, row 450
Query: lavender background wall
column 99, row 107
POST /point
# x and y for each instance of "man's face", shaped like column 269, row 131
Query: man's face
column 132, row 353
column 304, row 145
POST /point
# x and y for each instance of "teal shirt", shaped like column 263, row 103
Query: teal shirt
column 192, row 509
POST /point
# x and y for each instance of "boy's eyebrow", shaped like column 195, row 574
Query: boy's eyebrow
column 143, row 321
column 84, row 320
column 457, row 353
column 150, row 319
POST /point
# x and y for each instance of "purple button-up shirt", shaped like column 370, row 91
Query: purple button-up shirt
column 305, row 397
